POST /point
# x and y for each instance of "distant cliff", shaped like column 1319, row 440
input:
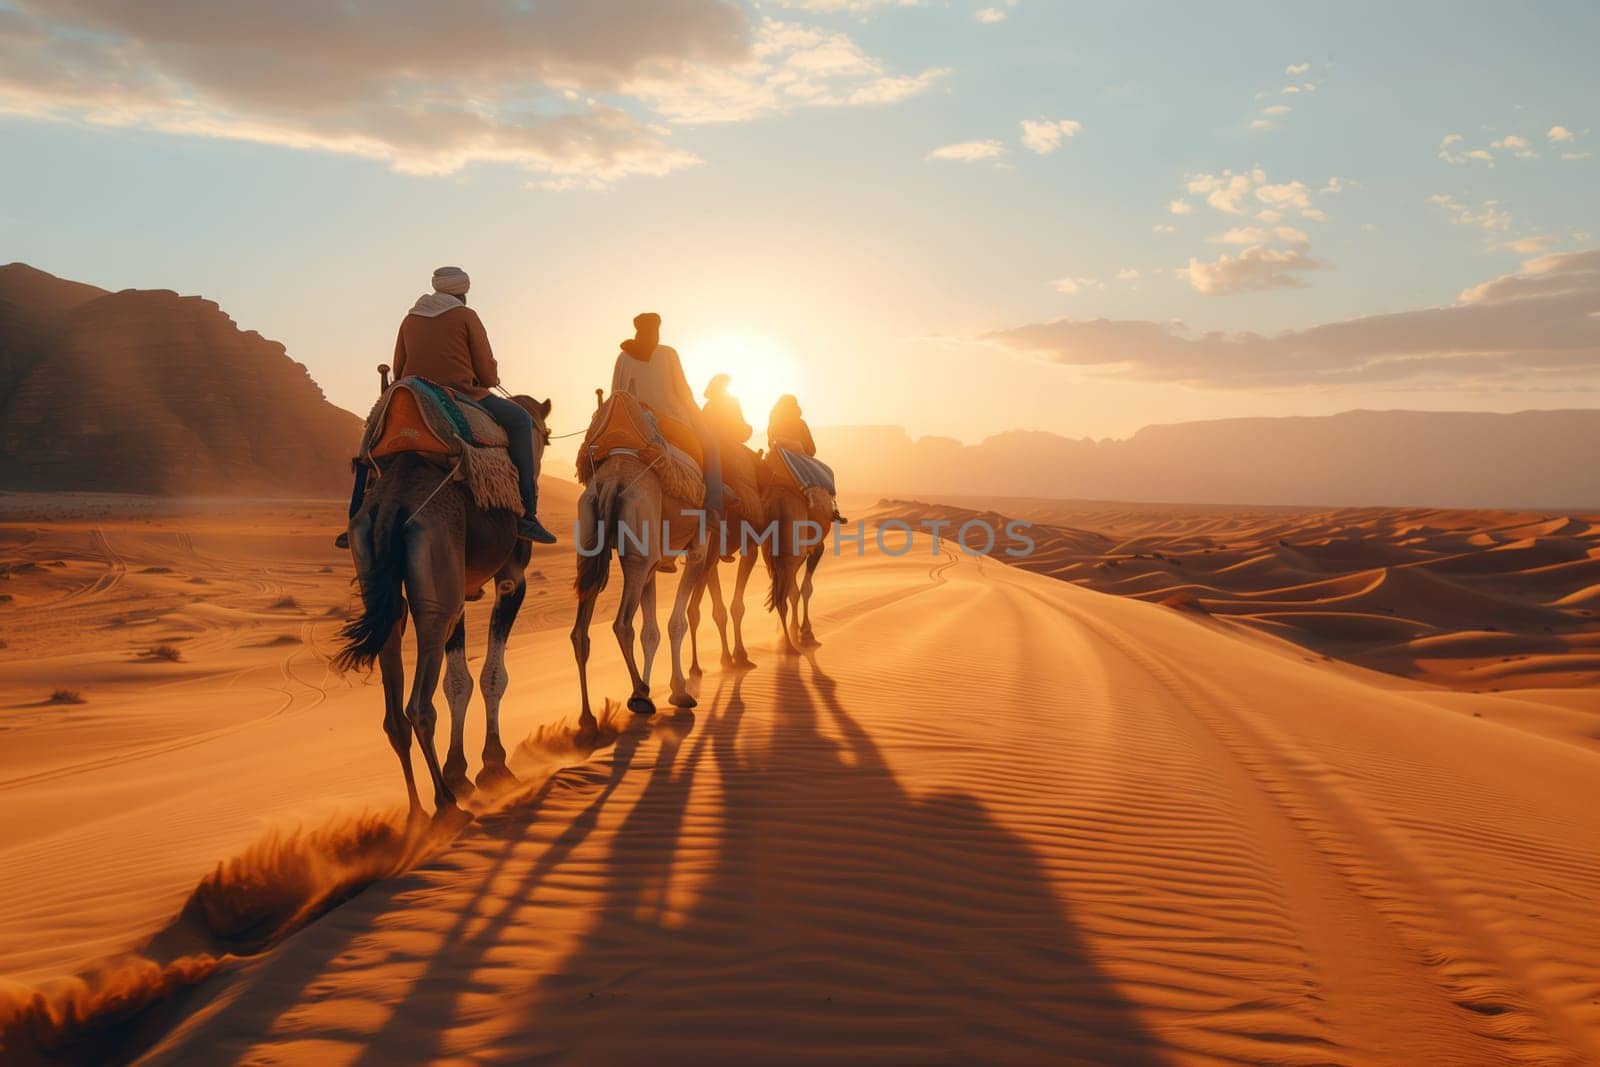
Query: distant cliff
column 1535, row 459
column 146, row 391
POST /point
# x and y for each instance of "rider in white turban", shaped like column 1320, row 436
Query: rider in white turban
column 451, row 280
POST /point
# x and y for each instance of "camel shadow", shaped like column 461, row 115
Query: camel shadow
column 839, row 915
column 768, row 892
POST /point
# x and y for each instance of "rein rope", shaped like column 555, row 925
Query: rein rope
column 447, row 480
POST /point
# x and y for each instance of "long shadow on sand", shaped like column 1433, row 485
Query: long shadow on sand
column 841, row 917
column 772, row 894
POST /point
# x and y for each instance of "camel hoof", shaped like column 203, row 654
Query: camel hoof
column 728, row 661
column 495, row 777
column 682, row 700
column 809, row 641
column 641, row 705
column 459, row 784
column 695, row 671
column 449, row 819
column 743, row 663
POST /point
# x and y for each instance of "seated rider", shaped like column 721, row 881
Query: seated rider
column 724, row 414
column 443, row 341
column 651, row 373
column 786, row 429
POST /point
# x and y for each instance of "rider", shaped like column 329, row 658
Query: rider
column 651, row 373
column 443, row 341
column 786, row 429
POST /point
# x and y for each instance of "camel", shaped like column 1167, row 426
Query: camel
column 419, row 540
column 624, row 509
column 802, row 520
column 740, row 534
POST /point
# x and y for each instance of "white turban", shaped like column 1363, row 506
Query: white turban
column 451, row 280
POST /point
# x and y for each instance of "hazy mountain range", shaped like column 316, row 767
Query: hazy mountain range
column 146, row 391
column 1539, row 459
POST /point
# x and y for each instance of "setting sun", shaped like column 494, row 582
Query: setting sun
column 761, row 368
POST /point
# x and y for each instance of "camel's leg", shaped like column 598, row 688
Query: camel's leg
column 458, row 694
column 719, row 611
column 580, row 650
column 678, row 623
column 510, row 589
column 788, row 601
column 694, row 632
column 650, row 626
column 432, row 631
column 395, row 723
column 806, row 636
column 747, row 566
column 636, row 571
column 434, row 586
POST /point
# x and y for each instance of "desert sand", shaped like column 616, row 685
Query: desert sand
column 997, row 816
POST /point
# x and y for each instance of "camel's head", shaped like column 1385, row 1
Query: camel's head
column 540, row 410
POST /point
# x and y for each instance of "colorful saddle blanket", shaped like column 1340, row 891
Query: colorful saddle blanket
column 623, row 425
column 415, row 415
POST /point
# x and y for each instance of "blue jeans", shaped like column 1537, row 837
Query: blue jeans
column 519, row 428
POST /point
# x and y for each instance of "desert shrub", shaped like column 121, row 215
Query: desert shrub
column 170, row 653
column 67, row 696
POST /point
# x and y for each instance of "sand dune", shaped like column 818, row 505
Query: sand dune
column 997, row 817
column 1478, row 600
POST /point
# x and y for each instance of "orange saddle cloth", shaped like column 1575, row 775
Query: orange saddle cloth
column 409, row 418
column 620, row 425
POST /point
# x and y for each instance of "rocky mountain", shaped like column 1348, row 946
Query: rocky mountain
column 146, row 391
column 1534, row 459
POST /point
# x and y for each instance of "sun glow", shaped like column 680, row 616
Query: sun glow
column 761, row 368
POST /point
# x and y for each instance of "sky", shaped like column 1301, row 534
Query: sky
column 959, row 216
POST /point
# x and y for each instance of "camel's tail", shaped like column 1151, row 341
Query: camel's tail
column 380, row 552
column 775, row 568
column 598, row 519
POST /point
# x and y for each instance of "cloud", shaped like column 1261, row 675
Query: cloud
column 1237, row 193
column 969, row 151
column 1181, row 207
column 1521, row 147
column 1577, row 155
column 1296, row 68
column 1046, row 135
column 789, row 66
column 990, row 15
column 1163, row 227
column 1541, row 324
column 1127, row 274
column 1074, row 286
column 1489, row 215
column 1277, row 109
column 1448, row 153
column 1242, row 235
column 1252, row 270
column 575, row 92
column 1558, row 134
column 1530, row 245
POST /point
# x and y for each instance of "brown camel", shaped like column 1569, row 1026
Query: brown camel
column 624, row 509
column 802, row 521
column 741, row 535
column 420, row 539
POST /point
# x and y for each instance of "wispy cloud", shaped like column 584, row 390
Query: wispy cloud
column 969, row 151
column 1046, row 135
column 1253, row 269
column 581, row 94
column 1490, row 215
